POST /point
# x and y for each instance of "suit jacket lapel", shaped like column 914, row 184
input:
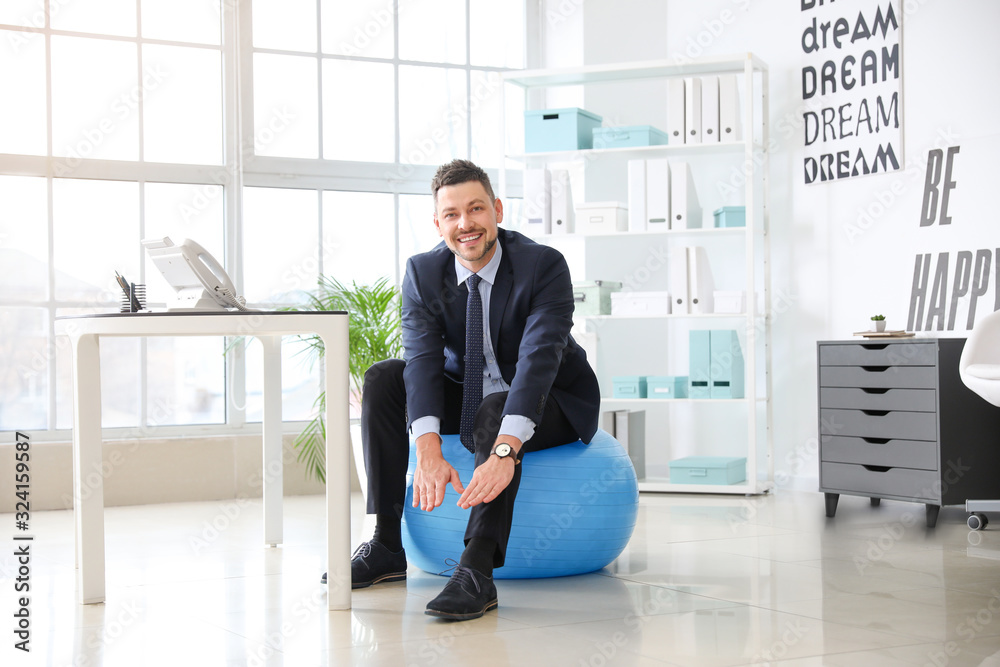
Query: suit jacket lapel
column 499, row 296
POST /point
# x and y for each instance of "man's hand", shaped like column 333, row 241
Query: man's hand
column 491, row 477
column 433, row 474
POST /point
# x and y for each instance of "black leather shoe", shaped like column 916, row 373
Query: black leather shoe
column 373, row 563
column 467, row 595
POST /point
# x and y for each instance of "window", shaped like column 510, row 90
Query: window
column 128, row 128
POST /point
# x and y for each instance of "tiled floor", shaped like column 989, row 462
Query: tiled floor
column 706, row 580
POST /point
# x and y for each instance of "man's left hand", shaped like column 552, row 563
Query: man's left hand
column 490, row 478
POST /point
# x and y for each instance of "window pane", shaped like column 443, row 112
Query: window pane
column 285, row 106
column 22, row 12
column 95, row 98
column 354, row 130
column 96, row 232
column 197, row 21
column 24, row 233
column 105, row 17
column 185, row 380
column 432, row 30
column 289, row 25
column 358, row 236
column 417, row 232
column 300, row 383
column 24, row 369
column 183, row 118
column 181, row 211
column 280, row 243
column 358, row 28
column 497, row 30
column 433, row 129
column 485, row 105
column 22, row 68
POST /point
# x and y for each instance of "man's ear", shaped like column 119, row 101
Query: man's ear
column 498, row 207
column 437, row 224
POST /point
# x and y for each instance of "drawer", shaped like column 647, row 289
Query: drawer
column 878, row 354
column 914, row 400
column 876, row 482
column 893, row 424
column 882, row 377
column 920, row 454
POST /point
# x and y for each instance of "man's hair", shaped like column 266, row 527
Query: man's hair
column 460, row 171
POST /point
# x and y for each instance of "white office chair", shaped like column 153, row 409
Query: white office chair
column 979, row 368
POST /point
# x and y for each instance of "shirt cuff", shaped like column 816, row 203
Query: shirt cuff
column 518, row 426
column 425, row 425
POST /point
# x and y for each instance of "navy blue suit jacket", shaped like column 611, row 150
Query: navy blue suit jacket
column 531, row 314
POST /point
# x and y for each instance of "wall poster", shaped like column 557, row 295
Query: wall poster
column 851, row 87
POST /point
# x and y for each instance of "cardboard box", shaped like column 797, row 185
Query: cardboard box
column 666, row 386
column 629, row 386
column 601, row 217
column 628, row 136
column 594, row 297
column 730, row 216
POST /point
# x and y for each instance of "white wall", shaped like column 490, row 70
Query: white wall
column 841, row 250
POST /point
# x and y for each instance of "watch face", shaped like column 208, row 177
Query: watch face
column 503, row 449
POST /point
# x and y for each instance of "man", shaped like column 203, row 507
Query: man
column 524, row 385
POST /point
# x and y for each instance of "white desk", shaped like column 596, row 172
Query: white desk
column 332, row 327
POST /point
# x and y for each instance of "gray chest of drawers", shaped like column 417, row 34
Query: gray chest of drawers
column 896, row 422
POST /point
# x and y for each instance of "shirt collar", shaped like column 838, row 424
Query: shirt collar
column 487, row 273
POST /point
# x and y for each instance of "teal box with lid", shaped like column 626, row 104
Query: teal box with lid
column 628, row 136
column 708, row 470
column 731, row 216
column 666, row 386
column 559, row 129
column 593, row 297
column 629, row 386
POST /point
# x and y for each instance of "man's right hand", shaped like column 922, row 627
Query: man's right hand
column 433, row 474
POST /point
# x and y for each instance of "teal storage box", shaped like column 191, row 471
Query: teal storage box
column 708, row 470
column 559, row 130
column 625, row 137
column 666, row 386
column 727, row 369
column 731, row 216
column 629, row 386
column 594, row 297
column 699, row 351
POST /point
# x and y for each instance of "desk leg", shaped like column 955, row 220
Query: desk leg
column 273, row 467
column 338, row 468
column 88, row 483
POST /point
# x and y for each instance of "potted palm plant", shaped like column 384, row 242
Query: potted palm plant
column 375, row 334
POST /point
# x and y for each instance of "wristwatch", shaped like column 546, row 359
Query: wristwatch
column 503, row 451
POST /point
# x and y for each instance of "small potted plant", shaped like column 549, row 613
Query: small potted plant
column 879, row 321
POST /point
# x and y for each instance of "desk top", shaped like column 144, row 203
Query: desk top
column 203, row 323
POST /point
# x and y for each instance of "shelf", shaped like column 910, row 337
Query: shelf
column 722, row 148
column 632, row 235
column 735, row 401
column 671, row 316
column 652, row 69
column 665, row 486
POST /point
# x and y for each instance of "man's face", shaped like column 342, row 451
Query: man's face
column 467, row 221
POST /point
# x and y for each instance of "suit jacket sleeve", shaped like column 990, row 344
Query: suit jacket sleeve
column 423, row 345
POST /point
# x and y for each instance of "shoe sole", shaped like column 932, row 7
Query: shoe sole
column 384, row 579
column 490, row 606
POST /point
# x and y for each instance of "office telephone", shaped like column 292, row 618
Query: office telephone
column 199, row 281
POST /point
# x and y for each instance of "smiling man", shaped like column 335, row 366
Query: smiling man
column 488, row 354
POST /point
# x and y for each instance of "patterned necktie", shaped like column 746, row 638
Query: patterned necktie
column 472, row 387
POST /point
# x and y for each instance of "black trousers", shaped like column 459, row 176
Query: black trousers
column 387, row 443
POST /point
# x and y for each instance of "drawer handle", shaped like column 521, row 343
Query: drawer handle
column 875, row 346
column 875, row 369
column 877, row 468
column 875, row 441
column 876, row 413
column 873, row 390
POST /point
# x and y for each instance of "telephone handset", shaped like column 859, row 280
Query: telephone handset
column 198, row 279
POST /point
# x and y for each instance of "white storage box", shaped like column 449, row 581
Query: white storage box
column 601, row 217
column 730, row 302
column 640, row 303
